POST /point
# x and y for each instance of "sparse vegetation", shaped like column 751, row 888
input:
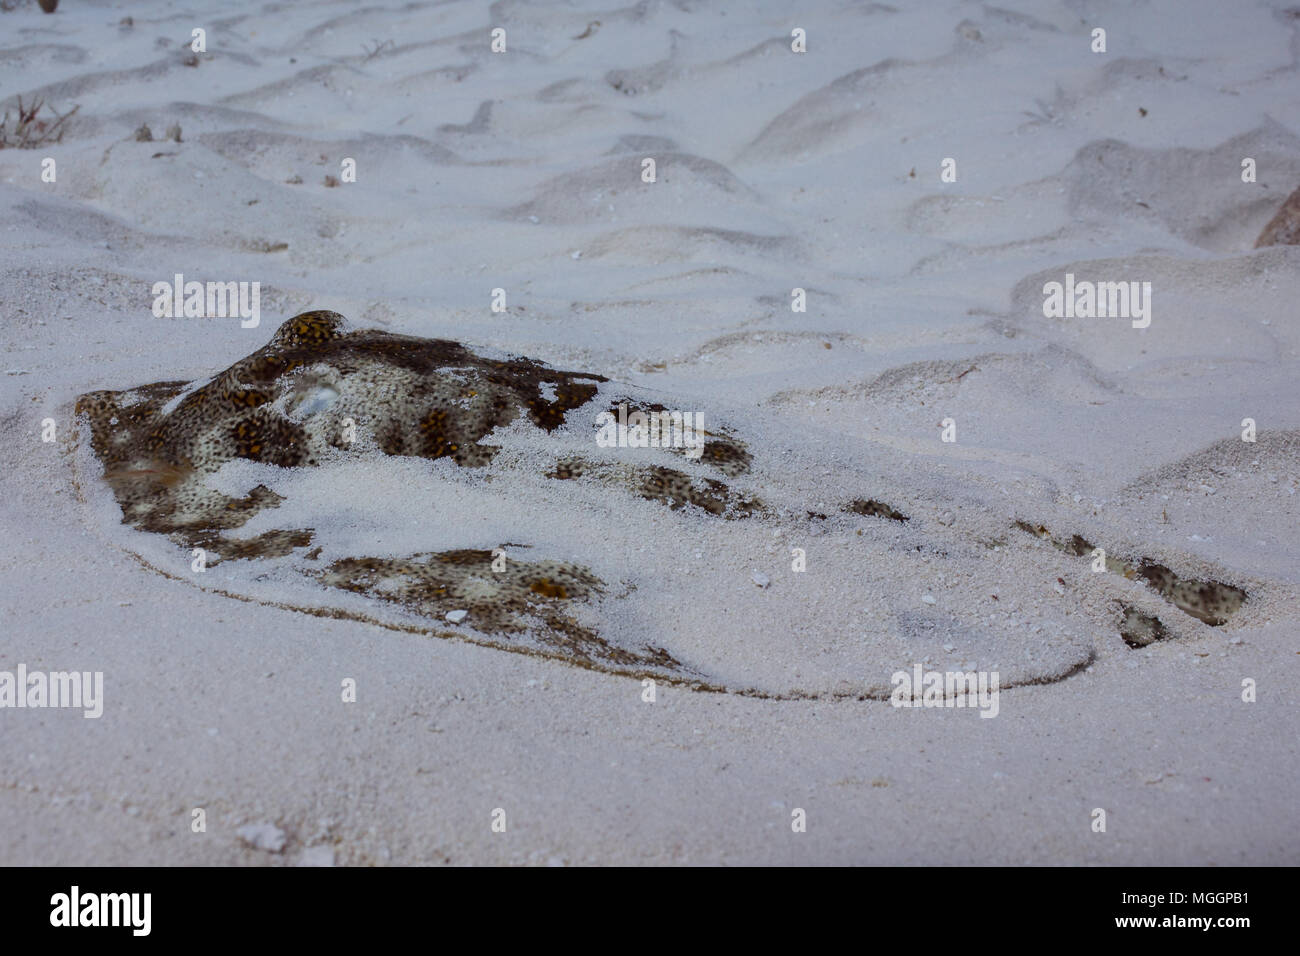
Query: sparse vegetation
column 30, row 130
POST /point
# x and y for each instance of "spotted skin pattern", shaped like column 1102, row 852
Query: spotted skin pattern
column 290, row 401
column 319, row 387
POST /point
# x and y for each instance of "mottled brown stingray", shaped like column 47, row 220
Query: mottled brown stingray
column 319, row 390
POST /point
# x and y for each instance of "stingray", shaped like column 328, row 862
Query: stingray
column 320, row 394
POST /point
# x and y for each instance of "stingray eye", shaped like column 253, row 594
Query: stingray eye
column 316, row 399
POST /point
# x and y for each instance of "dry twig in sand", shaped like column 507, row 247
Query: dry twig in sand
column 30, row 132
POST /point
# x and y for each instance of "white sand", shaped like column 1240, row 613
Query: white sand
column 522, row 170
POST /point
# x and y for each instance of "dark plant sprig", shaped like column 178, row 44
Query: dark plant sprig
column 30, row 130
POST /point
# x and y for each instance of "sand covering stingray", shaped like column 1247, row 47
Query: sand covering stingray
column 320, row 396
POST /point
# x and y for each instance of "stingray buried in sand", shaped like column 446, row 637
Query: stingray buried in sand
column 321, row 396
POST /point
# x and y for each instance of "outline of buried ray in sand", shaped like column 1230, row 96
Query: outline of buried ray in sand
column 293, row 402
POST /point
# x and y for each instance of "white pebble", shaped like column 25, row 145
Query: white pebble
column 262, row 836
column 457, row 616
column 760, row 579
column 927, row 599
